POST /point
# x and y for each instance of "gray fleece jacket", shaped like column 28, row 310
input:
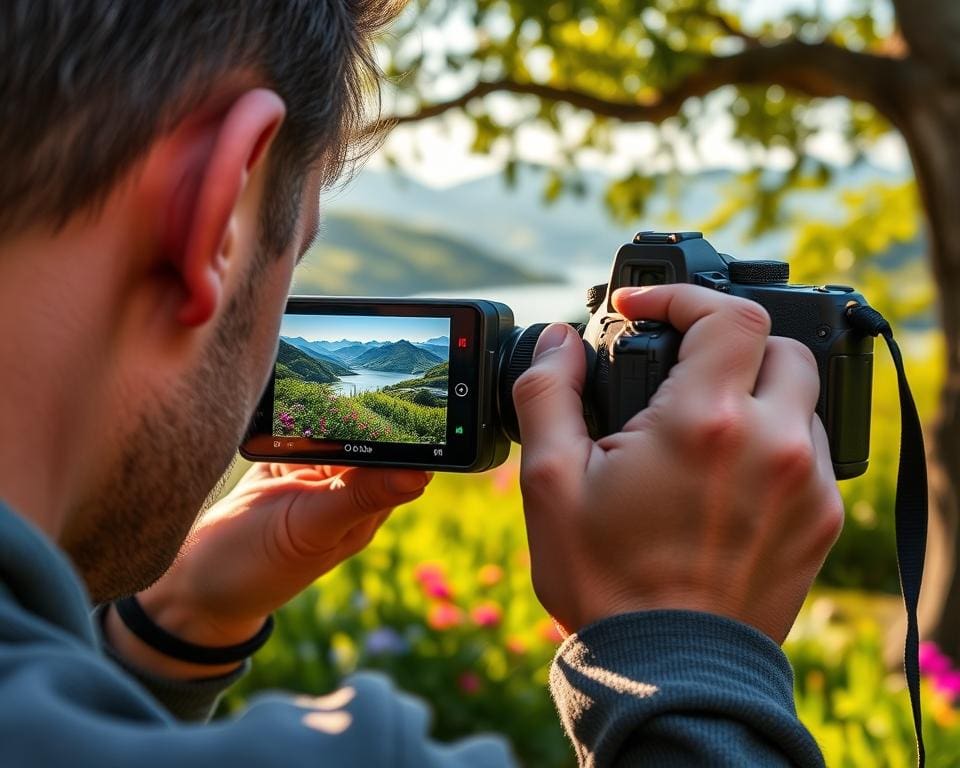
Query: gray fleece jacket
column 664, row 688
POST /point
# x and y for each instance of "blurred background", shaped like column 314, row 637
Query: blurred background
column 531, row 139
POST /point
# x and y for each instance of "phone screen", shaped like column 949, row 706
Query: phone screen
column 384, row 379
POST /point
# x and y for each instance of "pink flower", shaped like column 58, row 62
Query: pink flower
column 489, row 575
column 425, row 572
column 438, row 589
column 933, row 661
column 486, row 614
column 443, row 616
column 948, row 684
column 469, row 683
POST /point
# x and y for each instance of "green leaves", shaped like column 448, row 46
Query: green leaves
column 631, row 53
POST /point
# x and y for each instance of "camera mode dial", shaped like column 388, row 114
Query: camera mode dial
column 758, row 272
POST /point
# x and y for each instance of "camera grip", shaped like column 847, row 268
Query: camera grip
column 641, row 356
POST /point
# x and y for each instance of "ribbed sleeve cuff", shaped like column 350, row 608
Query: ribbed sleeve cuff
column 612, row 679
column 187, row 700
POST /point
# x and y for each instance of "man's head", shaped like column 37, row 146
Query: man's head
column 161, row 165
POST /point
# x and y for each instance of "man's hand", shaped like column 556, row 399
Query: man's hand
column 278, row 530
column 718, row 497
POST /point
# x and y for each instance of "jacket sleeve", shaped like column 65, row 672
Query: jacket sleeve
column 678, row 688
column 62, row 707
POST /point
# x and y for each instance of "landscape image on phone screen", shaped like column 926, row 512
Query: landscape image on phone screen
column 382, row 379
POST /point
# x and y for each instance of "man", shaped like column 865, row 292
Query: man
column 161, row 169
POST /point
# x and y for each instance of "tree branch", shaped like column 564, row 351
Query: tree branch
column 730, row 28
column 821, row 69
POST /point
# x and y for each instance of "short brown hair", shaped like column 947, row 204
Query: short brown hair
column 87, row 86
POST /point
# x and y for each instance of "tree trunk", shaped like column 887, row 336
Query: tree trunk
column 929, row 110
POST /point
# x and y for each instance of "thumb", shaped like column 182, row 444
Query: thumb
column 548, row 396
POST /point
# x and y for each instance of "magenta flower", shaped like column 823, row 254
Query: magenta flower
column 438, row 589
column 933, row 661
column 937, row 666
column 469, row 683
column 486, row 614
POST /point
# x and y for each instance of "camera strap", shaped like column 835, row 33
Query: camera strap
column 910, row 509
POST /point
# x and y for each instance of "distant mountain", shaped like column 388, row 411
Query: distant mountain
column 577, row 231
column 336, row 346
column 440, row 341
column 443, row 352
column 354, row 349
column 311, row 348
column 298, row 364
column 399, row 357
column 369, row 255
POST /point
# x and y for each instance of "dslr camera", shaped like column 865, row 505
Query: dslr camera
column 428, row 383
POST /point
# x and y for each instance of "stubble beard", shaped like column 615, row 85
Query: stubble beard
column 138, row 521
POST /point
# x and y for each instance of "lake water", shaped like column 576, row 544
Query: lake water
column 368, row 380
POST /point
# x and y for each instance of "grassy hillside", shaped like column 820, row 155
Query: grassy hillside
column 296, row 364
column 401, row 357
column 369, row 256
column 435, row 377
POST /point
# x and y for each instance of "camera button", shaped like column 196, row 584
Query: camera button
column 840, row 288
column 461, row 389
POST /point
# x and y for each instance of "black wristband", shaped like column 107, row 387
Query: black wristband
column 136, row 620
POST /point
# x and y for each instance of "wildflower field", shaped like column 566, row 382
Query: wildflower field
column 441, row 601
column 308, row 409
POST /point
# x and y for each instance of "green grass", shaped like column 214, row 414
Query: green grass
column 308, row 409
column 436, row 378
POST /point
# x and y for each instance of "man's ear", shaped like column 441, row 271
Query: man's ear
column 211, row 170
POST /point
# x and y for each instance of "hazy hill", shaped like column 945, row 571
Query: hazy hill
column 310, row 348
column 399, row 357
column 443, row 352
column 334, row 346
column 578, row 231
column 370, row 255
column 354, row 349
column 295, row 363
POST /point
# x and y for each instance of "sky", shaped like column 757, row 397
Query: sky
column 436, row 153
column 363, row 328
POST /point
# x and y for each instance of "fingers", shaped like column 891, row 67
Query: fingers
column 724, row 336
column 548, row 396
column 789, row 382
column 352, row 497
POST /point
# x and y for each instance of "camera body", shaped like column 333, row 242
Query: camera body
column 458, row 414
column 632, row 358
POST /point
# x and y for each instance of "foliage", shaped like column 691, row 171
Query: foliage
column 442, row 602
column 307, row 409
column 579, row 70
